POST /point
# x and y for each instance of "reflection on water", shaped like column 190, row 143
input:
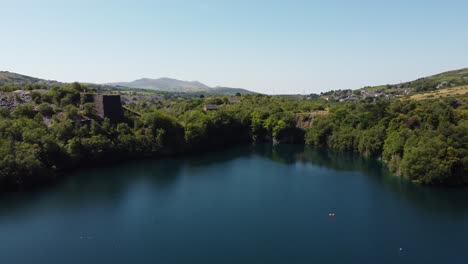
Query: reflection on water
column 110, row 182
column 261, row 204
column 428, row 197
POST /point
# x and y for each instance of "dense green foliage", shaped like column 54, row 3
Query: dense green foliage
column 425, row 141
column 53, row 133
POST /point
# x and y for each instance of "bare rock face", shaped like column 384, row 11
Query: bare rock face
column 306, row 120
column 14, row 99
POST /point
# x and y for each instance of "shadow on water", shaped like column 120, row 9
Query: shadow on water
column 109, row 184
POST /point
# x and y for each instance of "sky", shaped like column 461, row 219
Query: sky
column 273, row 47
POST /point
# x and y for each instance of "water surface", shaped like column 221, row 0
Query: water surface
column 245, row 205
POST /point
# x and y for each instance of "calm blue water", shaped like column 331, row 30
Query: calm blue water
column 245, row 205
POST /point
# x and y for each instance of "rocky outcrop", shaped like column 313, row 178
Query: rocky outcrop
column 305, row 120
column 13, row 99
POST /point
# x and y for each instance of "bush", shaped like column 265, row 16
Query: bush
column 46, row 109
column 25, row 110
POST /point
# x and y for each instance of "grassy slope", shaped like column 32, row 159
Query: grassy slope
column 14, row 78
column 457, row 78
column 441, row 93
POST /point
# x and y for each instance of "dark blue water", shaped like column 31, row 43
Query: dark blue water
column 245, row 205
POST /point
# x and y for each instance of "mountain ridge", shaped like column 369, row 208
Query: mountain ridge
column 166, row 84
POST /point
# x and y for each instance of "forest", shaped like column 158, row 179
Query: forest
column 424, row 141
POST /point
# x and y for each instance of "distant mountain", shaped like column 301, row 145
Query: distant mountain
column 174, row 85
column 161, row 84
column 164, row 84
column 11, row 78
column 433, row 82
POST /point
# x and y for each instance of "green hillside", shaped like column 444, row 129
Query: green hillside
column 14, row 78
column 430, row 83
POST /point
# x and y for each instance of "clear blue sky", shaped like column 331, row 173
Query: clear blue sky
column 267, row 46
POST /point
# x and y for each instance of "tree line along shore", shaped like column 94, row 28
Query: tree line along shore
column 51, row 131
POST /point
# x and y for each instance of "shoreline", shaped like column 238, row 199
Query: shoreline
column 61, row 176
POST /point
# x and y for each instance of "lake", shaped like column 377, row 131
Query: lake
column 245, row 205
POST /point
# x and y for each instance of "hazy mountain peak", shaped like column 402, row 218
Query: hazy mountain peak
column 167, row 84
column 161, row 84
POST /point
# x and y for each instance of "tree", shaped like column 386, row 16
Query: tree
column 425, row 162
column 88, row 109
column 318, row 134
column 46, row 109
column 162, row 130
column 25, row 110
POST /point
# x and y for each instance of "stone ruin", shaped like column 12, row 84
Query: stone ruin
column 106, row 105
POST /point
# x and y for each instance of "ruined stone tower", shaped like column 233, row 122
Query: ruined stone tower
column 106, row 105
